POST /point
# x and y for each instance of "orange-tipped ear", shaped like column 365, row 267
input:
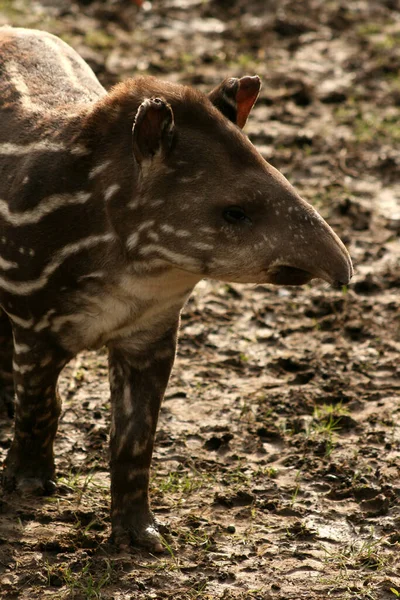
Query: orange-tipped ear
column 236, row 97
column 153, row 128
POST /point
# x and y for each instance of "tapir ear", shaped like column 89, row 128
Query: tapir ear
column 236, row 97
column 153, row 129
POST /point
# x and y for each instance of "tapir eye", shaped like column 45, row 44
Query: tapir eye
column 236, row 215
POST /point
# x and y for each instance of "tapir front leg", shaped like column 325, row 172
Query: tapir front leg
column 6, row 359
column 37, row 363
column 138, row 382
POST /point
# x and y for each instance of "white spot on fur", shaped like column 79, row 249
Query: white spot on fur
column 111, row 191
column 134, row 204
column 167, row 228
column 127, row 402
column 138, row 448
column 132, row 241
column 7, row 264
column 41, row 146
column 23, row 368
column 21, row 348
column 99, row 169
column 153, row 235
column 24, row 323
column 94, row 275
column 80, row 151
column 202, row 246
column 145, row 225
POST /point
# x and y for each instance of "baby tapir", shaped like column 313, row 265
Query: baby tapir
column 112, row 207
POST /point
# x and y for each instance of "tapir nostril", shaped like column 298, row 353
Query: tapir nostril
column 344, row 278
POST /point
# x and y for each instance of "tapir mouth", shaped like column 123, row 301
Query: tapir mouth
column 285, row 275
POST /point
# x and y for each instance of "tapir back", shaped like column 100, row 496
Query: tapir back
column 41, row 73
column 46, row 208
column 43, row 83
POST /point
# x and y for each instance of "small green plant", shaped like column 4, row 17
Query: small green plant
column 88, row 584
column 83, row 582
column 270, row 472
column 78, row 482
column 168, row 547
column 199, row 539
column 182, row 482
column 295, row 494
column 326, row 410
column 326, row 422
column 236, row 477
column 367, row 554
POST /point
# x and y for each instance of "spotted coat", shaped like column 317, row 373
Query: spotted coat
column 112, row 207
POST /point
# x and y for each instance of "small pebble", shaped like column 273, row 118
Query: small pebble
column 231, row 529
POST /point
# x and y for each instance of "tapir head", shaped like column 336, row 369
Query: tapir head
column 207, row 201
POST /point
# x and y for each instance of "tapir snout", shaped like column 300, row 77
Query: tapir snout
column 308, row 248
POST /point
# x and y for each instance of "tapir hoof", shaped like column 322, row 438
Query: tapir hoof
column 28, row 486
column 28, row 477
column 144, row 535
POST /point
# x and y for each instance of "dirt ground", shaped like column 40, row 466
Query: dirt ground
column 277, row 463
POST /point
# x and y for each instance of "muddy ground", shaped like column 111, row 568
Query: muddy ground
column 276, row 469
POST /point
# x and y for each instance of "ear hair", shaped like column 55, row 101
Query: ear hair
column 153, row 128
column 236, row 97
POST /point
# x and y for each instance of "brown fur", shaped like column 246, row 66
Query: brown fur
column 112, row 207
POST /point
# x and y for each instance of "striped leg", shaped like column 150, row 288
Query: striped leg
column 6, row 371
column 29, row 465
column 137, row 388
